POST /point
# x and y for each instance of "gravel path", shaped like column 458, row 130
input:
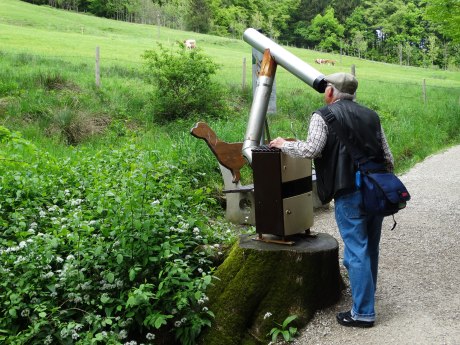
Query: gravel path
column 418, row 295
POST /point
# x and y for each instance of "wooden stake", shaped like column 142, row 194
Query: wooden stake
column 98, row 71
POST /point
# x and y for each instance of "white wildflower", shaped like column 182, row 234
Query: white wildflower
column 48, row 340
column 75, row 335
column 267, row 315
column 75, row 202
column 48, row 275
column 150, row 336
column 123, row 334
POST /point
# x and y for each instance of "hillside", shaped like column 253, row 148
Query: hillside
column 47, row 31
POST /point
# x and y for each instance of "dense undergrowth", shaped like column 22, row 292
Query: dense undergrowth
column 106, row 248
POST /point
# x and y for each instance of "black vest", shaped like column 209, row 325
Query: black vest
column 335, row 169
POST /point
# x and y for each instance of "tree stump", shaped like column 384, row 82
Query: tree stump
column 259, row 278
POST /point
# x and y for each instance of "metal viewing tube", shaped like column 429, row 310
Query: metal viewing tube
column 289, row 61
column 273, row 55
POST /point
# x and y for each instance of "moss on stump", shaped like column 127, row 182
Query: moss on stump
column 258, row 277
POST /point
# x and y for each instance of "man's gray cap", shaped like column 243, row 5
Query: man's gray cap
column 344, row 82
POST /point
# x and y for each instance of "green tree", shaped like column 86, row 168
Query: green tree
column 199, row 16
column 433, row 49
column 446, row 14
column 388, row 25
column 359, row 43
column 324, row 32
column 344, row 8
column 408, row 50
column 301, row 15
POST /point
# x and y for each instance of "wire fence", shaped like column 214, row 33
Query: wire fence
column 241, row 74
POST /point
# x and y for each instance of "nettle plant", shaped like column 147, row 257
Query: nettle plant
column 112, row 248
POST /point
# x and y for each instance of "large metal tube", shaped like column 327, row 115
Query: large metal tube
column 289, row 61
column 254, row 130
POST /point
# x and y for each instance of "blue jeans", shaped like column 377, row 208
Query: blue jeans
column 361, row 236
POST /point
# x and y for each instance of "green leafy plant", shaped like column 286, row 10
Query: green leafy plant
column 104, row 248
column 183, row 83
column 285, row 330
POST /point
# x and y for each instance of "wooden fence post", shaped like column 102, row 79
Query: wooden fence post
column 353, row 71
column 244, row 74
column 341, row 51
column 98, row 71
column 424, row 91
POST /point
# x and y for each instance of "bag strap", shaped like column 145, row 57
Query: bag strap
column 331, row 121
column 363, row 162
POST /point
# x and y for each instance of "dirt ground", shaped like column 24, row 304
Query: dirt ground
column 418, row 293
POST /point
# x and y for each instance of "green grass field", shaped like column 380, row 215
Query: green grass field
column 396, row 92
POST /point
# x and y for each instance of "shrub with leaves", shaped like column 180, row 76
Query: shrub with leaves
column 105, row 248
column 183, row 83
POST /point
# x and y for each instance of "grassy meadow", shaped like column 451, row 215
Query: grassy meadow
column 111, row 224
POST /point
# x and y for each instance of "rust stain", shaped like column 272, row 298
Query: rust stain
column 268, row 65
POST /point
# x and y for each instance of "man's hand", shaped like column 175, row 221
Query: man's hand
column 278, row 142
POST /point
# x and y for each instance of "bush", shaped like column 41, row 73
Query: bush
column 183, row 84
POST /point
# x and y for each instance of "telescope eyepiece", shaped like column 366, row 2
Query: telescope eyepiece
column 320, row 84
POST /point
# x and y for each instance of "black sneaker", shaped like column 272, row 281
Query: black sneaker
column 345, row 319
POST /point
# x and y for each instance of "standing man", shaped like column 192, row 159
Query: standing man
column 335, row 172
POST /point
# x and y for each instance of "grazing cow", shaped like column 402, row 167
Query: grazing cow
column 325, row 61
column 190, row 44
